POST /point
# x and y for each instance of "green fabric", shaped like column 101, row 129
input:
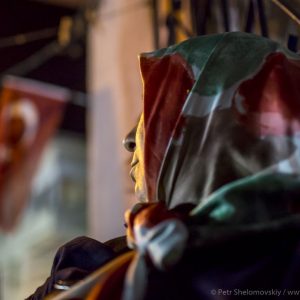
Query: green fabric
column 234, row 147
column 251, row 200
column 213, row 53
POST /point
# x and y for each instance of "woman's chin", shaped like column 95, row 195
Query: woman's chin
column 140, row 194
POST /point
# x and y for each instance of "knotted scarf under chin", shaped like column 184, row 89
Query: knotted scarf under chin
column 159, row 237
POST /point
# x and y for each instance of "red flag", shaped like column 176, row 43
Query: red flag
column 30, row 111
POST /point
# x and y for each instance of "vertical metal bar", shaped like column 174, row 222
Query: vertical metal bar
column 170, row 23
column 199, row 12
column 206, row 14
column 155, row 23
column 225, row 12
column 194, row 14
column 250, row 17
column 262, row 18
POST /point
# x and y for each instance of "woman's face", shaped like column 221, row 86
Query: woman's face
column 134, row 142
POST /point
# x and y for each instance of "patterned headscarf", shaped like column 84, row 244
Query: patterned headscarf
column 222, row 122
column 222, row 133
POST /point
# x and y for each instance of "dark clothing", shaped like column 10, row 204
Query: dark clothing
column 243, row 267
column 77, row 259
column 268, row 262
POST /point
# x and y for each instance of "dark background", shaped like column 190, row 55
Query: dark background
column 64, row 67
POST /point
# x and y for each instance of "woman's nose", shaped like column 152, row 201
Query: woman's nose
column 129, row 140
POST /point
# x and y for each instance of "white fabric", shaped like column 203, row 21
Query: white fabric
column 164, row 244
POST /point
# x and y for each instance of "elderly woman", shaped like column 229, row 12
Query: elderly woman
column 216, row 167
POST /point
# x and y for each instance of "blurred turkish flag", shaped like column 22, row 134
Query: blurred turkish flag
column 30, row 111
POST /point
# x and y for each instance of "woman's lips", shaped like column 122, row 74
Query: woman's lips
column 134, row 162
column 131, row 173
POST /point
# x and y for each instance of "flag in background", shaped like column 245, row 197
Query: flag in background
column 30, row 111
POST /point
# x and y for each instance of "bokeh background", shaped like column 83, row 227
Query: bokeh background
column 90, row 49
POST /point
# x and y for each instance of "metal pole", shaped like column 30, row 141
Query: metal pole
column 262, row 18
column 288, row 10
column 155, row 23
column 225, row 11
column 250, row 17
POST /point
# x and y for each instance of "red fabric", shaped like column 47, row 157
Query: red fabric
column 167, row 81
column 272, row 98
column 22, row 139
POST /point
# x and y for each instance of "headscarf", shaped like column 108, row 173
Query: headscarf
column 222, row 127
column 222, row 133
